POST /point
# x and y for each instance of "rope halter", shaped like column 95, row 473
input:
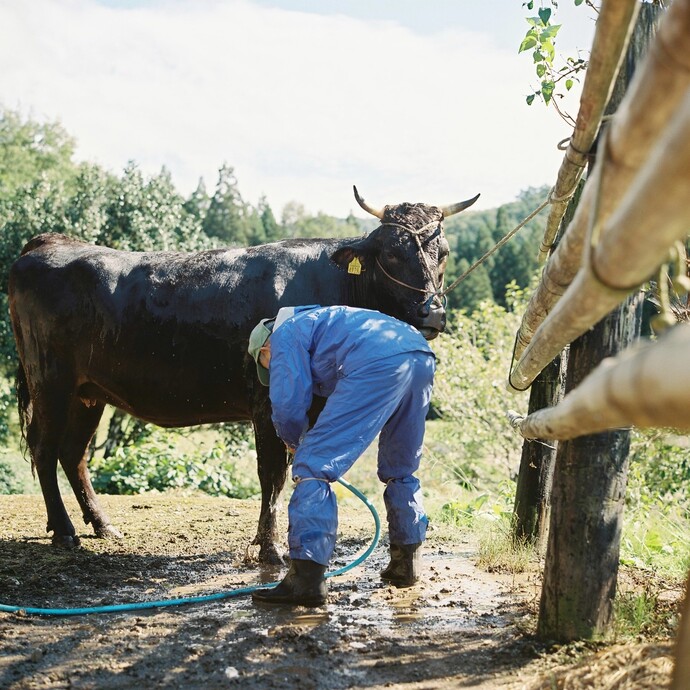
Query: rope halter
column 416, row 233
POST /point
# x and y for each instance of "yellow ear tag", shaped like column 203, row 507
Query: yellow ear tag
column 354, row 267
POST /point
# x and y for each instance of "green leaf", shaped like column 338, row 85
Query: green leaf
column 551, row 31
column 530, row 99
column 541, row 70
column 544, row 15
column 568, row 84
column 577, row 3
column 547, row 89
column 533, row 21
column 537, row 55
column 549, row 50
column 530, row 4
column 527, row 43
column 653, row 540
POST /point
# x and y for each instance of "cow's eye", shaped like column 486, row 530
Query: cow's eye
column 391, row 258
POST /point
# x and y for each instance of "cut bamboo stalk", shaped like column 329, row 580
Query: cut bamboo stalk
column 614, row 26
column 637, row 388
column 633, row 242
column 655, row 93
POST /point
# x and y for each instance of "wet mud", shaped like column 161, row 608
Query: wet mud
column 459, row 627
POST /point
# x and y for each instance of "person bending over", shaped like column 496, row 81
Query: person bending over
column 377, row 375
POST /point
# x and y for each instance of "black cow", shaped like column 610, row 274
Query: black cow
column 163, row 336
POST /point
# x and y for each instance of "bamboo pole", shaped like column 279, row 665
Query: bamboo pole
column 631, row 244
column 653, row 97
column 614, row 25
column 637, row 388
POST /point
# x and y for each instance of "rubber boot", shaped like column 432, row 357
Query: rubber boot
column 304, row 585
column 405, row 566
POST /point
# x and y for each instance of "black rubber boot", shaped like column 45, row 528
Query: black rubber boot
column 304, row 585
column 405, row 566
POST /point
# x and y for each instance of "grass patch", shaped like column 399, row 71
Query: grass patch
column 499, row 552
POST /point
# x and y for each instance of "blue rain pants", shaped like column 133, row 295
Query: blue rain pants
column 390, row 395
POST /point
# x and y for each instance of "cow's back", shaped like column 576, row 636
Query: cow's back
column 160, row 334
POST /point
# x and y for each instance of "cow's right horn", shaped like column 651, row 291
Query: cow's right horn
column 456, row 208
column 374, row 212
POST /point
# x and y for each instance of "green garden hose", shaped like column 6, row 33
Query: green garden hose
column 231, row 594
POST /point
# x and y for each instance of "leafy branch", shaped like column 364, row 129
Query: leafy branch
column 540, row 39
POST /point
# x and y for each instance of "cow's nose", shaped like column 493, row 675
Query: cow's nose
column 432, row 304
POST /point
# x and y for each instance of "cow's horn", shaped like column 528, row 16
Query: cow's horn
column 451, row 210
column 366, row 207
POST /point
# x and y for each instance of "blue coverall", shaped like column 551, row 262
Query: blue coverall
column 377, row 373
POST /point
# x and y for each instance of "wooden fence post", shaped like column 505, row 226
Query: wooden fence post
column 590, row 478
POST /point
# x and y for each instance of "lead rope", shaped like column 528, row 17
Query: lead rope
column 495, row 248
column 438, row 291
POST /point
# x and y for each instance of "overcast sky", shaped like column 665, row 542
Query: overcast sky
column 412, row 100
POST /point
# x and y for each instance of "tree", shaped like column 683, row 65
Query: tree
column 147, row 215
column 199, row 202
column 29, row 149
column 225, row 218
column 44, row 191
column 293, row 215
column 271, row 229
column 474, row 290
column 475, row 232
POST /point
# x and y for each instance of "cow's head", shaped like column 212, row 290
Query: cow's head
column 401, row 264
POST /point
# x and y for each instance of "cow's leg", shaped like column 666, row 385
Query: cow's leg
column 272, row 465
column 43, row 439
column 81, row 426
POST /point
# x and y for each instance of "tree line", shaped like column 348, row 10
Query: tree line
column 43, row 188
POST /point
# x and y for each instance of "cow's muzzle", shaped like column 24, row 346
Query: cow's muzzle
column 431, row 316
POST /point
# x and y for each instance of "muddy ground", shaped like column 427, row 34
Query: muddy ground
column 460, row 628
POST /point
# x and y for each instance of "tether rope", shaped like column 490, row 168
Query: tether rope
column 496, row 247
column 440, row 292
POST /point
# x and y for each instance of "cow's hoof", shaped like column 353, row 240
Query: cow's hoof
column 269, row 555
column 108, row 532
column 66, row 541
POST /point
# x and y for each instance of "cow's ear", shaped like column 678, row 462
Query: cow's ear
column 355, row 254
column 351, row 260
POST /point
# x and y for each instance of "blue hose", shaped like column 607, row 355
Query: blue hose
column 231, row 594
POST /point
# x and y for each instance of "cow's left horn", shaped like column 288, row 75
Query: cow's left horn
column 451, row 210
column 374, row 212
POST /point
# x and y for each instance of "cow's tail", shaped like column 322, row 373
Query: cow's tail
column 24, row 407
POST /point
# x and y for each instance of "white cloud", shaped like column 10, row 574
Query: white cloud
column 302, row 105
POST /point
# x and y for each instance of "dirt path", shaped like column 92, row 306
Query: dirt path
column 460, row 627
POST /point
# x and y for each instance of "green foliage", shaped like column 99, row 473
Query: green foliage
column 147, row 215
column 660, row 462
column 9, row 483
column 474, row 289
column 540, row 41
column 488, row 516
column 500, row 552
column 226, row 216
column 298, row 223
column 472, row 234
column 643, row 613
column 29, row 150
column 199, row 202
column 470, row 395
column 155, row 464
